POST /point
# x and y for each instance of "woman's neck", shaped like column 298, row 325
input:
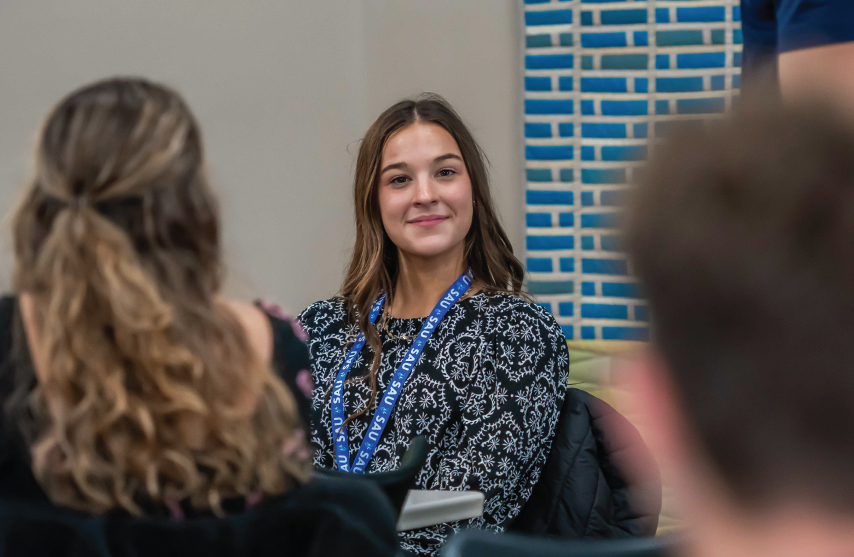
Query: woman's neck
column 422, row 281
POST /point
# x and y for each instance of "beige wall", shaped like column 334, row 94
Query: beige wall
column 283, row 90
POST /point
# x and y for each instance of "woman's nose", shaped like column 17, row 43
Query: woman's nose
column 425, row 191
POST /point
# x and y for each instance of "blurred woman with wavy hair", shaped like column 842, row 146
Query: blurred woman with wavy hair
column 455, row 351
column 131, row 387
column 134, row 383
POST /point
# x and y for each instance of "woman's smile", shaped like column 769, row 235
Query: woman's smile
column 428, row 220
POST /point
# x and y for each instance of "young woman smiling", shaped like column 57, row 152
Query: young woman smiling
column 454, row 351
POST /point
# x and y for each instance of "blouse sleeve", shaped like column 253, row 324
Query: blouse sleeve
column 323, row 322
column 516, row 391
column 290, row 357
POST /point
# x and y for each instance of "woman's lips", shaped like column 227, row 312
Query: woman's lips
column 429, row 220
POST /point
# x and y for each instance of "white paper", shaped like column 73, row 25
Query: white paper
column 426, row 508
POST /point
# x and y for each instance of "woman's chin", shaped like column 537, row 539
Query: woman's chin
column 429, row 249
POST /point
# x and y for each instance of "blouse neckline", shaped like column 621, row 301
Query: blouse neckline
column 407, row 326
column 403, row 321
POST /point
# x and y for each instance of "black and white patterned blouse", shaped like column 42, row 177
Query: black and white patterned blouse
column 486, row 392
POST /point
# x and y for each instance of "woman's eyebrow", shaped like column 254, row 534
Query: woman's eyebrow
column 446, row 157
column 397, row 165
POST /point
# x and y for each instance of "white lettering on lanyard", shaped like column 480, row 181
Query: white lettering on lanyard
column 389, row 398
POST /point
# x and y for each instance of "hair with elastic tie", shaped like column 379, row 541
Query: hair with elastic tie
column 148, row 390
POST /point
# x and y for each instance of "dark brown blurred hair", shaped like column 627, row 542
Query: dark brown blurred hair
column 150, row 390
column 743, row 237
column 374, row 265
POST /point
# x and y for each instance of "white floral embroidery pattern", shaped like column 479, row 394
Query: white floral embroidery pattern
column 486, row 392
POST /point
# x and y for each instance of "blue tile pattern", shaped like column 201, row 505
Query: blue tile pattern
column 603, row 80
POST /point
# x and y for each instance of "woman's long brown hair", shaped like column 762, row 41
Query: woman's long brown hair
column 149, row 390
column 374, row 266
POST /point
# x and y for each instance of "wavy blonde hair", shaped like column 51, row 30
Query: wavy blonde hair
column 148, row 390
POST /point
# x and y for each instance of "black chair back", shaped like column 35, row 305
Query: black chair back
column 585, row 489
column 396, row 483
column 327, row 517
column 477, row 543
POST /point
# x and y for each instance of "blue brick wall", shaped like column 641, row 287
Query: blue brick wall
column 603, row 80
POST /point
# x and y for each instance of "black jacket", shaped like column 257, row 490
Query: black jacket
column 584, row 490
column 324, row 517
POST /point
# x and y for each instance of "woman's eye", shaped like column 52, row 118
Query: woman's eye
column 398, row 180
column 445, row 172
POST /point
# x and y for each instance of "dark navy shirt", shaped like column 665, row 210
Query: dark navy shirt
column 771, row 27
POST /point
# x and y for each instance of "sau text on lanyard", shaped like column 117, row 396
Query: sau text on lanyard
column 390, row 396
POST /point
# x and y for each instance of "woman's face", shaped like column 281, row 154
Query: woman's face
column 425, row 192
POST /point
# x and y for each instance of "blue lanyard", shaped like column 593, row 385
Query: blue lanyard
column 389, row 398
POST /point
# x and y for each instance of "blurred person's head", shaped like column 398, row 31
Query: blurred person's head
column 148, row 389
column 743, row 238
column 421, row 192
